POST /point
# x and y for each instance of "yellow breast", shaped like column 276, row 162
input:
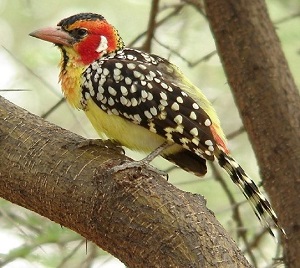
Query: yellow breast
column 125, row 132
column 70, row 78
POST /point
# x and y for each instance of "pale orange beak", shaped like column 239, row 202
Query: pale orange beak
column 54, row 35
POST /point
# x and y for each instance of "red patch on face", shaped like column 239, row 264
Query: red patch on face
column 87, row 47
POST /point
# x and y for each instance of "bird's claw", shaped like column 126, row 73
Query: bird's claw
column 138, row 164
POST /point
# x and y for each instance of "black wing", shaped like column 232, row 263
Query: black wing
column 132, row 85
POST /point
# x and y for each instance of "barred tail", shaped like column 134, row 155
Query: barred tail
column 259, row 203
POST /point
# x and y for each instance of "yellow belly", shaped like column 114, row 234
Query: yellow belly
column 126, row 133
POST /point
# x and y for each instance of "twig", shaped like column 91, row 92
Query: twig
column 151, row 26
column 159, row 23
column 285, row 19
column 71, row 254
column 198, row 5
column 190, row 64
column 91, row 256
column 53, row 108
column 43, row 81
column 235, row 133
column 14, row 89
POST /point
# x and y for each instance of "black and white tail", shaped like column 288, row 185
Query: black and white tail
column 261, row 206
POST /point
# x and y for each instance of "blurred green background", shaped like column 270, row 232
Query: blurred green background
column 30, row 65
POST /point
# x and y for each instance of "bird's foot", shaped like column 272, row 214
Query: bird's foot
column 145, row 162
column 138, row 164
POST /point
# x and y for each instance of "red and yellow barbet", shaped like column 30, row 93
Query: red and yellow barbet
column 142, row 101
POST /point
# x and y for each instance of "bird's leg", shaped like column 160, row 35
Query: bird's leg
column 156, row 152
column 145, row 161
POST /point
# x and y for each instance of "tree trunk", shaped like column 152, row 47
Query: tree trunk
column 268, row 101
column 135, row 214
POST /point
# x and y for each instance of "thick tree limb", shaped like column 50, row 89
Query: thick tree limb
column 135, row 215
column 268, row 101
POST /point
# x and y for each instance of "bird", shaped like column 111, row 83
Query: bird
column 144, row 102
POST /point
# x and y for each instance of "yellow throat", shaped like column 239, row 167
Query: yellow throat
column 70, row 76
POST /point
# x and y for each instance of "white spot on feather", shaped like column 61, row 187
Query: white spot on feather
column 207, row 122
column 208, row 143
column 124, row 90
column 195, row 141
column 211, row 148
column 137, row 118
column 193, row 116
column 119, row 65
column 148, row 114
column 178, row 119
column 112, row 91
column 153, row 111
column 123, row 100
column 194, row 131
column 175, row 106
column 131, row 66
column 179, row 100
column 195, row 106
column 163, row 95
column 111, row 102
column 144, row 94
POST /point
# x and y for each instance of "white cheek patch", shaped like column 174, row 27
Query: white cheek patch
column 103, row 45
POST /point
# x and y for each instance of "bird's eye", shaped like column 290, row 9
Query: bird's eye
column 79, row 33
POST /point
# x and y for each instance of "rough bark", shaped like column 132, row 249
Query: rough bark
column 135, row 215
column 268, row 101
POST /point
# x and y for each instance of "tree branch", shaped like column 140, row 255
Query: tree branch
column 151, row 26
column 268, row 101
column 135, row 215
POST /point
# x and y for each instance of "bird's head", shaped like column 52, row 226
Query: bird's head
column 84, row 38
